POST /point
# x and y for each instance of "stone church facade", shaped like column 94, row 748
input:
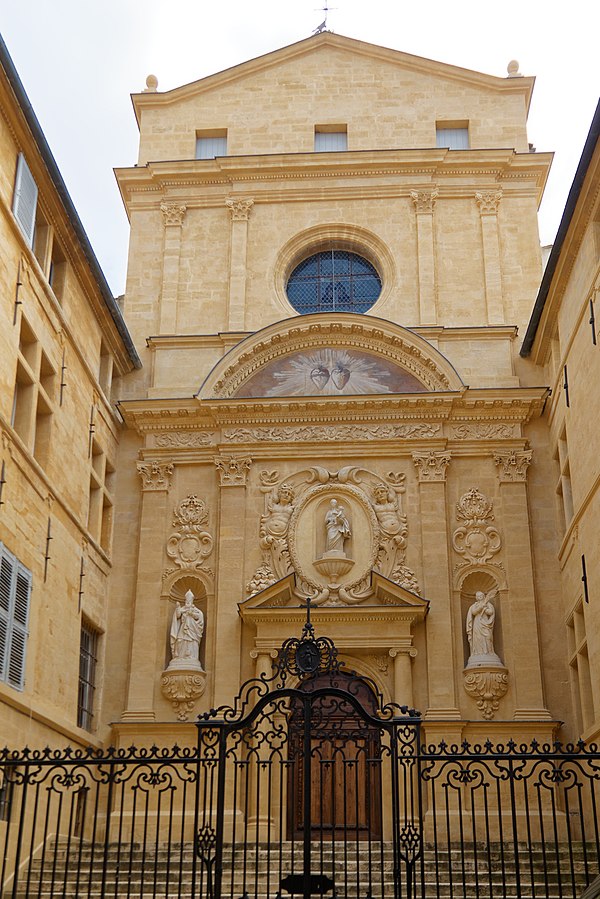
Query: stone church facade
column 334, row 256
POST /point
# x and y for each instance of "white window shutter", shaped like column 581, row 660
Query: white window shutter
column 15, row 591
column 25, row 199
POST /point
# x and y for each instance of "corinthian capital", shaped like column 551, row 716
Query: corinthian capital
column 488, row 201
column 424, row 200
column 513, row 465
column 431, row 466
column 239, row 208
column 155, row 475
column 232, row 470
column 173, row 213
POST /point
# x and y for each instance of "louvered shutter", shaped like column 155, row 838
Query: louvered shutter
column 15, row 590
column 16, row 658
column 25, row 199
column 6, row 580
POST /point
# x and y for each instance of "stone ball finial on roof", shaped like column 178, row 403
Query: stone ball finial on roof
column 151, row 83
column 513, row 69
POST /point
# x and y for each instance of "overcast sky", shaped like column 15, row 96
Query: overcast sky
column 80, row 59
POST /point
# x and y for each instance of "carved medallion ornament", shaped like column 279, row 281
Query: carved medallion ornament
column 476, row 540
column 332, row 530
column 191, row 543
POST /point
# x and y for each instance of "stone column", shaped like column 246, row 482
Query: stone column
column 442, row 669
column 240, row 213
column 173, row 216
column 519, row 614
column 146, row 641
column 488, row 203
column 424, row 201
column 263, row 662
column 403, row 682
column 232, row 473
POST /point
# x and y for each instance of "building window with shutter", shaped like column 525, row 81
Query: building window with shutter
column 331, row 138
column 452, row 135
column 15, row 591
column 25, row 199
column 88, row 655
column 210, row 144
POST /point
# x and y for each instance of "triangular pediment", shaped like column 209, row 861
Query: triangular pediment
column 327, row 44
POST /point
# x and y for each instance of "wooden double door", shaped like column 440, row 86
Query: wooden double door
column 336, row 747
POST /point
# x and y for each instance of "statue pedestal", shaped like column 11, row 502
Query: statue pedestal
column 487, row 684
column 333, row 565
column 485, row 660
column 183, row 686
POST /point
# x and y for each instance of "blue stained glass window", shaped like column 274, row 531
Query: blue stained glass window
column 333, row 281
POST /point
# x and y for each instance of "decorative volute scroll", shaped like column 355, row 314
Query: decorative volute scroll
column 431, row 466
column 191, row 543
column 183, row 689
column 424, row 200
column 155, row 475
column 173, row 213
column 513, row 465
column 232, row 470
column 239, row 208
column 476, row 540
column 488, row 201
column 311, row 527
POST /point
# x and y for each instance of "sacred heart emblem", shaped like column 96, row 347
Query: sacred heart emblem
column 340, row 376
column 319, row 376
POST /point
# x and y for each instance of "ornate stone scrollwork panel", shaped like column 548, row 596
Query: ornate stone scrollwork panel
column 183, row 689
column 191, row 543
column 487, row 686
column 311, row 527
column 477, row 541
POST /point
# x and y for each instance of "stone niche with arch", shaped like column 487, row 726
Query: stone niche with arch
column 485, row 676
column 182, row 683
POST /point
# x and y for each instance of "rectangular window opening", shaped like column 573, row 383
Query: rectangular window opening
column 88, row 657
column 210, row 144
column 452, row 135
column 331, row 138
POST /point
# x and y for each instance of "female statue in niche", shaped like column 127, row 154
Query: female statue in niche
column 337, row 527
column 187, row 628
column 481, row 618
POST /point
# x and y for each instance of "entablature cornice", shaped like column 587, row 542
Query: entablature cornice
column 451, row 171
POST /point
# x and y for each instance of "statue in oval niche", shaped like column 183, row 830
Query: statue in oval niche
column 481, row 618
column 187, row 628
column 337, row 527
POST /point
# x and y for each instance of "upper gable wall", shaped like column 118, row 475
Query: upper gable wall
column 385, row 104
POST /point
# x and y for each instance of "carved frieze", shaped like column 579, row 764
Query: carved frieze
column 155, row 475
column 513, row 465
column 424, row 200
column 431, row 466
column 173, row 213
column 477, row 541
column 185, row 439
column 239, row 208
column 483, row 431
column 191, row 543
column 232, row 470
column 332, row 433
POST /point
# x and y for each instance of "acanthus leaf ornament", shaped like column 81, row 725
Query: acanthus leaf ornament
column 487, row 686
column 155, row 475
column 476, row 540
column 173, row 213
column 239, row 207
column 431, row 466
column 513, row 465
column 183, row 689
column 232, row 470
column 191, row 543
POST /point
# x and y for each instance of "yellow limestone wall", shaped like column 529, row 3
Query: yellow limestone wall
column 454, row 237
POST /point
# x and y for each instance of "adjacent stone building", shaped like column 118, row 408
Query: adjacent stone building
column 334, row 256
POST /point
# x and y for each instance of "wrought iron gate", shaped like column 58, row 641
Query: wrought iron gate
column 311, row 789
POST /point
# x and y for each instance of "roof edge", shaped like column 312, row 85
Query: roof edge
column 65, row 198
column 565, row 222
